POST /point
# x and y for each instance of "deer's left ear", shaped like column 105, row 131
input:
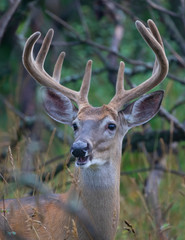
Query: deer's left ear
column 143, row 109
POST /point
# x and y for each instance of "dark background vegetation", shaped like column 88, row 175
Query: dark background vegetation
column 35, row 150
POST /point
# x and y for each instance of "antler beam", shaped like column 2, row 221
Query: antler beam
column 36, row 69
column 152, row 36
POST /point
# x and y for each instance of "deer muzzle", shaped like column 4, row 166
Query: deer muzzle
column 81, row 150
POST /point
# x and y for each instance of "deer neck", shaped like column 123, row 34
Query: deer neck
column 99, row 195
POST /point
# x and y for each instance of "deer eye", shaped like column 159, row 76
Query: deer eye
column 111, row 126
column 75, row 127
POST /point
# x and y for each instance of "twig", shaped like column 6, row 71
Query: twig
column 29, row 121
column 12, row 108
column 4, row 20
column 60, row 43
column 7, row 231
column 109, row 50
column 125, row 10
column 82, row 18
column 96, row 45
column 117, row 37
column 75, row 77
column 162, row 9
column 65, row 24
column 152, row 139
column 182, row 11
column 177, row 56
column 177, row 79
column 27, row 179
column 174, row 32
column 142, row 170
column 169, row 117
column 177, row 104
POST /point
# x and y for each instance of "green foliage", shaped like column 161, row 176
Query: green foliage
column 3, row 5
column 22, row 120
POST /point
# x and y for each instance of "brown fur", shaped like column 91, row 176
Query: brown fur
column 97, row 194
column 97, row 113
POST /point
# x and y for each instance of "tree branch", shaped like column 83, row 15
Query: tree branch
column 4, row 20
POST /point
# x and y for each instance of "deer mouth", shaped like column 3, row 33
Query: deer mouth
column 82, row 160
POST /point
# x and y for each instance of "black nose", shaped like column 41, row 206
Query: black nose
column 79, row 148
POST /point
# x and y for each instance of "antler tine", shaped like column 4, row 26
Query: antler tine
column 58, row 67
column 84, row 90
column 119, row 86
column 120, row 78
column 153, row 39
column 156, row 62
column 36, row 69
column 157, row 36
column 41, row 56
column 155, row 32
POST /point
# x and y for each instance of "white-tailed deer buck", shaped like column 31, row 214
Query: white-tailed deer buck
column 99, row 132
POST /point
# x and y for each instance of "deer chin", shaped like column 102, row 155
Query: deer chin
column 89, row 162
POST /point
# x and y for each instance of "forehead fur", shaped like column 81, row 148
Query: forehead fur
column 97, row 112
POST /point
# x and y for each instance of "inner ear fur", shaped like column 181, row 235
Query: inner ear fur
column 57, row 106
column 143, row 109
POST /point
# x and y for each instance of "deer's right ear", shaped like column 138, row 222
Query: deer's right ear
column 58, row 106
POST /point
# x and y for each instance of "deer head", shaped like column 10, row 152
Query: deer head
column 98, row 130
